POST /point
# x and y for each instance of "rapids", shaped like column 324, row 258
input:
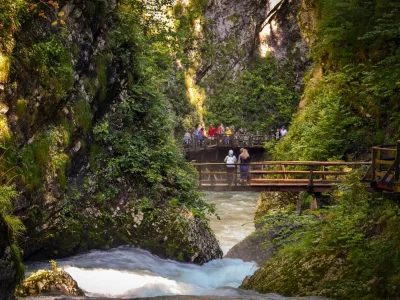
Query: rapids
column 126, row 272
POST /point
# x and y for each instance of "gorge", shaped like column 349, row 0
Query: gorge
column 95, row 97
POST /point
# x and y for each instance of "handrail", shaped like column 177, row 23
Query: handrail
column 312, row 178
column 289, row 163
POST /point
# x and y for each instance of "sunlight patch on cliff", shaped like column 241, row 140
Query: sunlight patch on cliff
column 4, row 68
column 264, row 35
column 194, row 93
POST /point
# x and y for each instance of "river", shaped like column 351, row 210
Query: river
column 126, row 272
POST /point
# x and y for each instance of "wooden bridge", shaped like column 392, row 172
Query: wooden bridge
column 384, row 172
column 223, row 141
column 293, row 176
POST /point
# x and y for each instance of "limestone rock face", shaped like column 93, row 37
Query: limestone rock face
column 240, row 30
column 66, row 212
column 7, row 271
column 280, row 36
column 49, row 282
column 308, row 20
column 233, row 28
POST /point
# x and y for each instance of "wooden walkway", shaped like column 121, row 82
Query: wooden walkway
column 290, row 176
column 222, row 141
column 384, row 172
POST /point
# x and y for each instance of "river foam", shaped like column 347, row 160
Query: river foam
column 127, row 272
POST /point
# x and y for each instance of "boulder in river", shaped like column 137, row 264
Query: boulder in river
column 53, row 282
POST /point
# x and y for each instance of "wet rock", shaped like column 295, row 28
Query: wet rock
column 49, row 282
column 253, row 248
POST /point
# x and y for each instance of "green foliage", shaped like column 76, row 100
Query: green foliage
column 51, row 62
column 346, row 251
column 352, row 98
column 136, row 139
column 10, row 18
column 15, row 227
column 44, row 157
column 102, row 62
column 261, row 98
column 83, row 115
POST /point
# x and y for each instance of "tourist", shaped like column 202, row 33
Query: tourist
column 283, row 131
column 278, row 134
column 212, row 132
column 221, row 129
column 228, row 136
column 187, row 138
column 200, row 136
column 244, row 158
column 230, row 161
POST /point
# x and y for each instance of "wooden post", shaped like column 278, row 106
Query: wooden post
column 285, row 176
column 235, row 175
column 378, row 157
column 298, row 207
column 397, row 169
column 373, row 165
column 323, row 175
column 315, row 203
column 310, row 179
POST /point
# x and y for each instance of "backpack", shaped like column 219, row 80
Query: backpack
column 230, row 161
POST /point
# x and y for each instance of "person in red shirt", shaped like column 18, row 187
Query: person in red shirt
column 212, row 132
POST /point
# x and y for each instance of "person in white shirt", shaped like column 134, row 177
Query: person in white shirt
column 230, row 161
column 283, row 131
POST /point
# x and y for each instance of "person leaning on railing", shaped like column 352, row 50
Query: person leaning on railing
column 230, row 161
column 244, row 160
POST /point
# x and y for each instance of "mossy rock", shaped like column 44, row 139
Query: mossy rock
column 49, row 282
column 271, row 201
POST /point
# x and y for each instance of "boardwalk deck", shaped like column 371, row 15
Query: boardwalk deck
column 222, row 141
column 384, row 172
column 293, row 176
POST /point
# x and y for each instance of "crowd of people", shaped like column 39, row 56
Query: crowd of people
column 200, row 134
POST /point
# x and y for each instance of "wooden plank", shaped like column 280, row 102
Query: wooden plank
column 300, row 172
column 385, row 149
column 212, row 173
column 258, row 189
column 384, row 162
column 292, row 163
column 381, row 174
column 292, row 181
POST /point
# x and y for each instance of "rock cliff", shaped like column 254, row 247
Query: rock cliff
column 97, row 161
column 237, row 31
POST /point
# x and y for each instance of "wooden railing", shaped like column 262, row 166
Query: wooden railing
column 228, row 141
column 277, row 175
column 384, row 172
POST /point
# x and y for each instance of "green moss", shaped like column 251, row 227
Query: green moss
column 94, row 161
column 83, row 115
column 21, row 108
column 234, row 18
column 90, row 86
column 36, row 158
column 30, row 169
column 102, row 62
column 51, row 62
column 61, row 163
